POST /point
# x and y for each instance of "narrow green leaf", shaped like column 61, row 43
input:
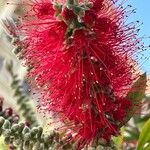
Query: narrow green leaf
column 134, row 134
column 144, row 136
column 148, row 147
column 136, row 95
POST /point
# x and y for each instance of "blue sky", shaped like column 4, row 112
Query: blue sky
column 143, row 14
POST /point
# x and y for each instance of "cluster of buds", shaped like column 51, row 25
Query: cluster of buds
column 8, row 113
column 24, row 137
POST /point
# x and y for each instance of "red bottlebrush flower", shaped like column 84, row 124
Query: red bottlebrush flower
column 97, row 5
column 90, row 18
column 43, row 9
column 83, row 69
column 68, row 14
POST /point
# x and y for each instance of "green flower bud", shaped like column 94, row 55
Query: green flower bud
column 89, row 5
column 42, row 147
column 46, row 138
column 26, row 145
column 36, row 146
column 27, row 136
column 7, row 140
column 40, row 131
column 91, row 148
column 102, row 141
column 6, row 125
column 17, row 142
column 7, row 132
column 17, row 50
column 25, row 130
column 14, row 128
column 99, row 147
column 33, row 131
column 21, row 127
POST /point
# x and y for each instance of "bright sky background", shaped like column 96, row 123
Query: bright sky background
column 143, row 14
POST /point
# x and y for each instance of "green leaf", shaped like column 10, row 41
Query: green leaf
column 144, row 137
column 133, row 133
column 119, row 139
column 136, row 95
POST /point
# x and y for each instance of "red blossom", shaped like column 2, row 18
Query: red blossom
column 42, row 9
column 83, row 68
column 68, row 14
column 90, row 18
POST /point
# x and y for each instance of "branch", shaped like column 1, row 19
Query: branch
column 23, row 100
